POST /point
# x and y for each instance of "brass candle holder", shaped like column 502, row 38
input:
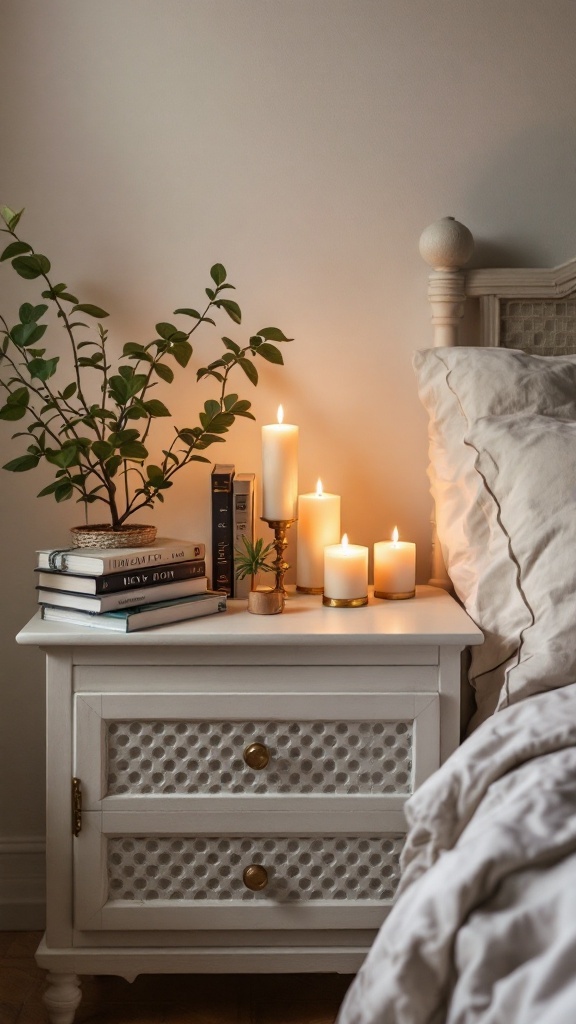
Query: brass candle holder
column 280, row 527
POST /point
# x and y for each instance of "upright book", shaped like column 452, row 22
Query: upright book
column 97, row 561
column 128, row 620
column 222, row 543
column 122, row 599
column 242, row 524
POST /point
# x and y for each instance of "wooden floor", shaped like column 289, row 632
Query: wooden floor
column 169, row 999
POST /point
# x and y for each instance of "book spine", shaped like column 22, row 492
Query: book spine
column 116, row 581
column 243, row 525
column 147, row 558
column 222, row 520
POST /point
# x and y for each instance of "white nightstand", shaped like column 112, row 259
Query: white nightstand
column 236, row 784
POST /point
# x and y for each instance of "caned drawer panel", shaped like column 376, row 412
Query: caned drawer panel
column 202, row 757
column 317, row 877
column 136, row 750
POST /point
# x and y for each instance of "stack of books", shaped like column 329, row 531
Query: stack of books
column 126, row 589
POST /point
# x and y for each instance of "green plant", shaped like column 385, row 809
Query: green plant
column 94, row 427
column 252, row 559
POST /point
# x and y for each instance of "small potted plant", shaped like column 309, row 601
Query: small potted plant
column 249, row 561
column 94, row 422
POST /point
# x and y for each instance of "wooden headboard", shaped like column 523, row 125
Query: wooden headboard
column 523, row 308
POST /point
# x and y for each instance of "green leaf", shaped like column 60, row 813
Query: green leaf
column 43, row 369
column 15, row 249
column 69, row 391
column 90, row 309
column 164, row 372
column 59, row 293
column 156, row 408
column 27, row 334
column 189, row 312
column 113, row 465
column 188, row 436
column 250, row 370
column 232, row 346
column 270, row 353
column 9, row 217
column 134, row 450
column 30, row 314
column 63, row 491
column 220, row 424
column 63, row 457
column 49, row 489
column 166, row 331
column 132, row 348
column 12, row 412
column 155, row 475
column 102, row 449
column 218, row 274
column 211, row 408
column 273, row 334
column 231, row 307
column 182, row 350
column 198, row 458
column 22, row 463
column 31, row 267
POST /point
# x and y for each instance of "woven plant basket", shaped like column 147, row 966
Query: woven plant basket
column 103, row 536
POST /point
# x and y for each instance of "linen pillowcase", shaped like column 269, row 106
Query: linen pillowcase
column 528, row 464
column 458, row 386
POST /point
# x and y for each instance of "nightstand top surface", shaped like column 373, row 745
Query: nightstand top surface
column 432, row 617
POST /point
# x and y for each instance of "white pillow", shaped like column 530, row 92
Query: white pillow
column 528, row 464
column 457, row 386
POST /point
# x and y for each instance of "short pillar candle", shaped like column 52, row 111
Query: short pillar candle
column 345, row 575
column 394, row 569
column 318, row 526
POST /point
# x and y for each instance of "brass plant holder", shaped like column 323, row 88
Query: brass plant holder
column 280, row 527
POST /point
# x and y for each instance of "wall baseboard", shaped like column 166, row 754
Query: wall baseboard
column 22, row 883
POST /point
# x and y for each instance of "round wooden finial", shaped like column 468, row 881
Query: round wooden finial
column 446, row 244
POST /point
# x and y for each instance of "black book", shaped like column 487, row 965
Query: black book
column 222, row 529
column 131, row 579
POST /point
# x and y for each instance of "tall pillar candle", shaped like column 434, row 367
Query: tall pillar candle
column 279, row 470
column 318, row 526
column 394, row 568
column 345, row 575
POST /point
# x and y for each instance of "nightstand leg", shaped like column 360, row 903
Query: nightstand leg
column 62, row 997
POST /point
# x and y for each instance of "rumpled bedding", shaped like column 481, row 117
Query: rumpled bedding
column 483, row 930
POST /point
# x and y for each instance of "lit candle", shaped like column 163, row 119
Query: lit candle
column 394, row 568
column 279, row 469
column 345, row 575
column 318, row 525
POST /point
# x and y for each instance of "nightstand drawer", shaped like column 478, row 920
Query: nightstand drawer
column 293, row 878
column 136, row 752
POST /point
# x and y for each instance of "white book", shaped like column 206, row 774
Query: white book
column 243, row 504
column 96, row 561
column 125, row 598
column 128, row 620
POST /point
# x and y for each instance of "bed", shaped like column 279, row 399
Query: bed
column 483, row 930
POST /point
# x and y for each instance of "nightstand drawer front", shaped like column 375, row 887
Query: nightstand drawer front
column 298, row 878
column 207, row 757
column 211, row 868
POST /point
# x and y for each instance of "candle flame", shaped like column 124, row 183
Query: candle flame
column 319, row 488
column 345, row 540
column 280, row 414
column 395, row 536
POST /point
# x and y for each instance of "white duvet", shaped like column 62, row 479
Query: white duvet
column 484, row 927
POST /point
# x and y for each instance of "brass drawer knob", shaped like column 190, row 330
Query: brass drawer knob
column 256, row 756
column 255, row 877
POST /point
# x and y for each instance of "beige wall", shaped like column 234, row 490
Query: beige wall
column 305, row 144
